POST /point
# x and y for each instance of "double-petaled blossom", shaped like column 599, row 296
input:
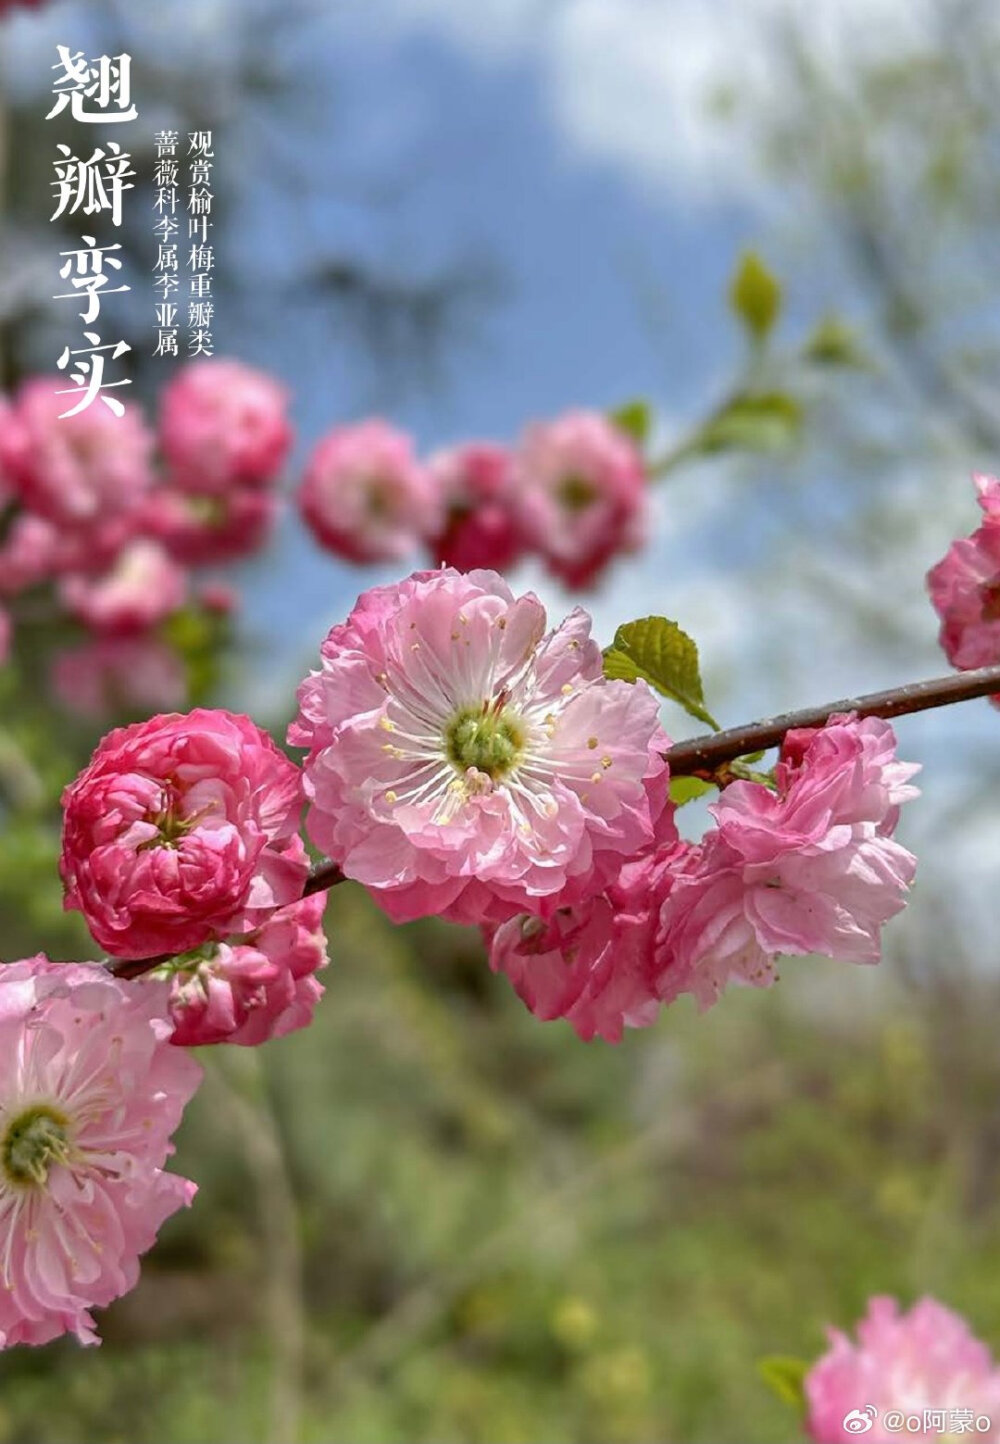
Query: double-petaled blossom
column 77, row 471
column 90, row 1093
column 206, row 530
column 116, row 676
column 579, row 487
column 248, row 992
column 464, row 763
column 223, row 425
column 365, row 495
column 477, row 525
column 964, row 588
column 905, row 1367
column 182, row 830
column 596, row 964
column 142, row 587
column 808, row 867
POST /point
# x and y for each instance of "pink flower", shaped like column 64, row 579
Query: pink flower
column 465, row 764
column 30, row 553
column 202, row 530
column 479, row 528
column 223, row 425
column 365, row 496
column 252, row 991
column 143, row 586
column 90, row 1092
column 78, row 470
column 181, row 830
column 115, row 675
column 579, row 486
column 964, row 588
column 902, row 1364
column 808, row 868
column 596, row 964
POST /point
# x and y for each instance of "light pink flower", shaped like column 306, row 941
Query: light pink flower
column 259, row 989
column 964, row 588
column 579, row 486
column 903, row 1364
column 143, row 586
column 110, row 676
column 203, row 530
column 596, row 964
column 181, row 830
column 90, row 1092
column 78, row 470
column 223, row 425
column 365, row 496
column 464, row 763
column 808, row 868
column 478, row 528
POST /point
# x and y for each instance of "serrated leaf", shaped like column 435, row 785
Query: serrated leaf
column 785, row 1376
column 687, row 789
column 755, row 295
column 770, row 421
column 635, row 418
column 659, row 652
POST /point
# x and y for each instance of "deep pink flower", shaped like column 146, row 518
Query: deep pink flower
column 90, row 1092
column 223, row 425
column 78, row 470
column 143, row 586
column 259, row 989
column 902, row 1365
column 464, row 763
column 365, row 496
column 580, row 485
column 114, row 675
column 204, row 530
column 808, row 868
column 478, row 527
column 964, row 588
column 181, row 830
column 596, row 964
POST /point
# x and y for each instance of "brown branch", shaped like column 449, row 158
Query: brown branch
column 703, row 756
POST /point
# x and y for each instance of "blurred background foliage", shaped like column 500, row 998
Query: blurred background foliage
column 430, row 1217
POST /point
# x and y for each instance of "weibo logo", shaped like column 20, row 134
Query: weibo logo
column 859, row 1421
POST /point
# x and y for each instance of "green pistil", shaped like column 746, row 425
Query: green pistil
column 490, row 741
column 576, row 493
column 32, row 1143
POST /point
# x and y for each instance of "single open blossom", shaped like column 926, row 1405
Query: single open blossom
column 79, row 470
column 247, row 992
column 143, row 586
column 109, row 676
column 223, row 425
column 365, row 495
column 810, row 867
column 477, row 525
column 182, row 830
column 461, row 762
column 90, row 1092
column 904, row 1363
column 964, row 588
column 596, row 964
column 579, row 487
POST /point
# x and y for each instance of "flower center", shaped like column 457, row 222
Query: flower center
column 489, row 739
column 576, row 493
column 989, row 596
column 32, row 1142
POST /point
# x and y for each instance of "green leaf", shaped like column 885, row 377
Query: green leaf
column 656, row 650
column 755, row 295
column 635, row 418
column 785, row 1376
column 832, row 343
column 770, row 421
column 686, row 789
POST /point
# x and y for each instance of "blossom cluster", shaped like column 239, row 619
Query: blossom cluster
column 572, row 492
column 919, row 1374
column 103, row 520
